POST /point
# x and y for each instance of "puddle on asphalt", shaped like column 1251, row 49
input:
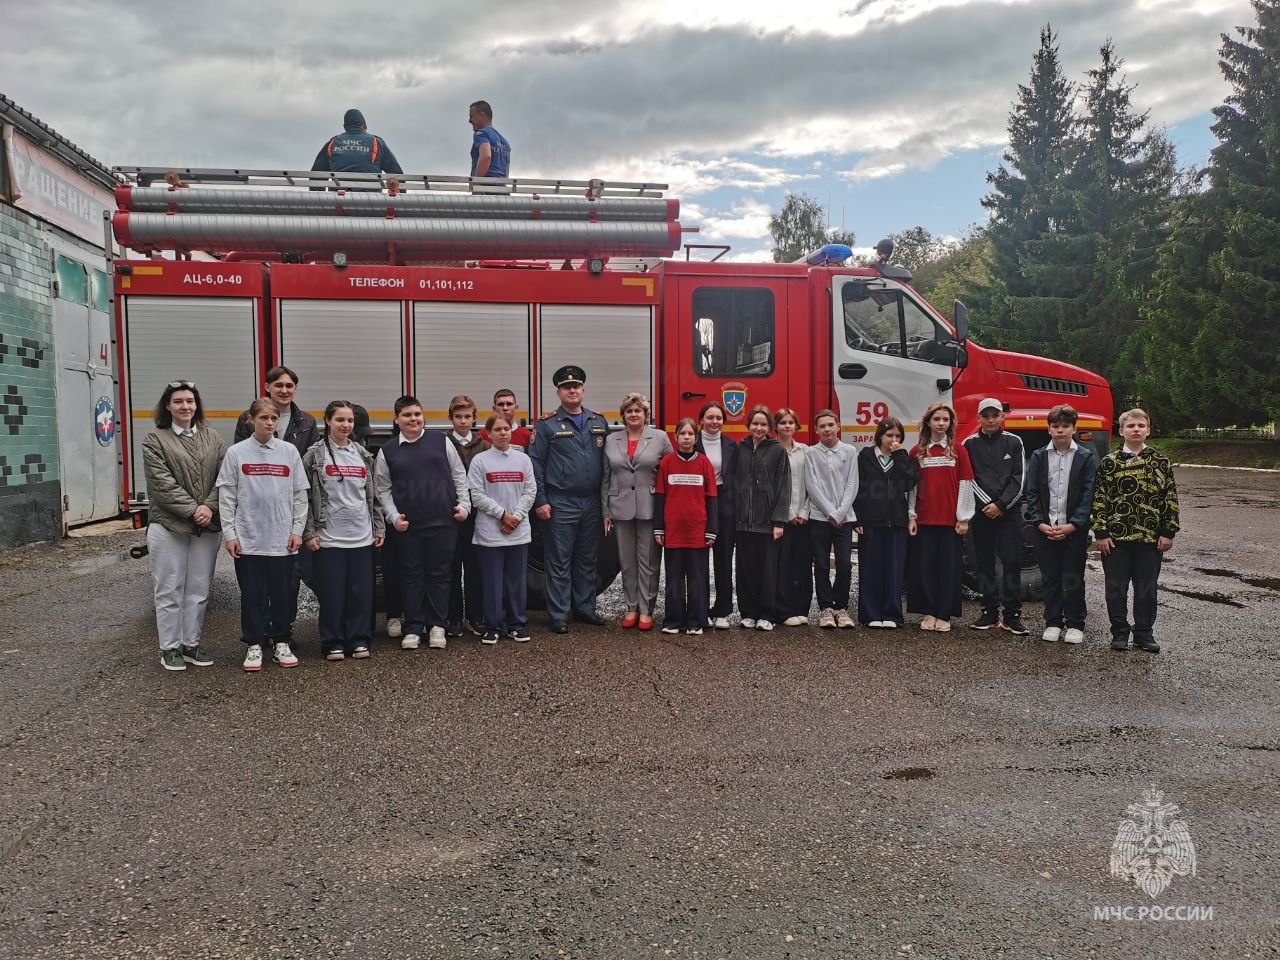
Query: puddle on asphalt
column 93, row 564
column 1266, row 583
column 1221, row 598
column 910, row 773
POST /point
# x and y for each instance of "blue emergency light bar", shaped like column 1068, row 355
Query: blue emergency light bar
column 838, row 252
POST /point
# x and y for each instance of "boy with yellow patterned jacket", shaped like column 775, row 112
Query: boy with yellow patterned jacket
column 1135, row 517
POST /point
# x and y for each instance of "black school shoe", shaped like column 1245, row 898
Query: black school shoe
column 559, row 626
column 1119, row 643
column 986, row 621
column 589, row 616
column 453, row 630
column 1149, row 645
column 1013, row 623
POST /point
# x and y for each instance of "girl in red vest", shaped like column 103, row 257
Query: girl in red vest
column 938, row 512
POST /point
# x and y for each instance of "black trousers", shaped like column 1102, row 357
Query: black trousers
column 267, row 603
column 686, row 587
column 935, row 571
column 465, row 596
column 344, row 587
column 393, row 605
column 1137, row 564
column 426, row 556
column 504, row 573
column 795, row 571
column 822, row 537
column 722, row 560
column 999, row 538
column 757, row 576
column 1062, row 572
column 882, row 561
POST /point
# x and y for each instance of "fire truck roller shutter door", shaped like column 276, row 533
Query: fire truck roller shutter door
column 470, row 348
column 344, row 349
column 613, row 344
column 211, row 341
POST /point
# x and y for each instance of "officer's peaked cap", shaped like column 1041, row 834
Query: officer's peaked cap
column 567, row 375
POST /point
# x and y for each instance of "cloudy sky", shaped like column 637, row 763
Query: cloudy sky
column 890, row 112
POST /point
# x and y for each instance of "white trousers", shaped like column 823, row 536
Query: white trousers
column 181, row 571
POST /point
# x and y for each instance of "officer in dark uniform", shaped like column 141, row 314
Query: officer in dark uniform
column 568, row 462
column 356, row 150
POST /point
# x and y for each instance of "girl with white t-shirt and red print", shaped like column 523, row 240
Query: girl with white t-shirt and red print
column 938, row 510
column 344, row 527
column 262, row 499
column 503, row 489
column 685, row 520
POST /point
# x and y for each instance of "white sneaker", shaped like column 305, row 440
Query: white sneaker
column 394, row 628
column 410, row 641
column 843, row 620
column 827, row 619
column 1073, row 635
column 253, row 659
column 670, row 629
column 796, row 621
column 748, row 623
column 763, row 625
column 436, row 639
column 1051, row 634
column 888, row 624
column 284, row 656
column 721, row 623
column 695, row 632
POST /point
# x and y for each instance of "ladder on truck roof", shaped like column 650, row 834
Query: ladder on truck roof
column 331, row 180
column 315, row 215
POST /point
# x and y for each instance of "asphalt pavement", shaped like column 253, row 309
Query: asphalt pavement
column 611, row 794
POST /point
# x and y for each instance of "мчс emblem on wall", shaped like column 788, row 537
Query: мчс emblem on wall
column 1153, row 846
column 104, row 421
column 734, row 395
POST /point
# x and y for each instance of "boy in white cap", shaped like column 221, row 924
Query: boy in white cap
column 998, row 463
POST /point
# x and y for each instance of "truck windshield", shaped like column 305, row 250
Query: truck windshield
column 886, row 321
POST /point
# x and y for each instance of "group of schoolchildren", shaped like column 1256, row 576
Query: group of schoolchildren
column 451, row 514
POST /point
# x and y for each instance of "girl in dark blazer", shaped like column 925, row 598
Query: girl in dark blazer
column 722, row 452
column 762, row 499
column 886, row 474
column 631, row 458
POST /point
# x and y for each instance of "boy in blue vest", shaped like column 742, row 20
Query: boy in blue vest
column 422, row 486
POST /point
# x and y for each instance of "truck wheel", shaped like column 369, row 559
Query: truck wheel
column 1032, row 582
column 536, row 576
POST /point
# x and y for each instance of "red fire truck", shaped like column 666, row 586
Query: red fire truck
column 457, row 286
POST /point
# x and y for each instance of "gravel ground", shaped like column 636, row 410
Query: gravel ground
column 612, row 794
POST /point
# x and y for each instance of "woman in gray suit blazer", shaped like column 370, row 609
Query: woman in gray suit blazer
column 631, row 458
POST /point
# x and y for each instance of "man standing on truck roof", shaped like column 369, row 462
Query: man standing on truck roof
column 568, row 463
column 490, row 152
column 356, row 150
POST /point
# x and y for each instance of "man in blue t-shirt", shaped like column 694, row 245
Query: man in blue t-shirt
column 490, row 152
column 356, row 150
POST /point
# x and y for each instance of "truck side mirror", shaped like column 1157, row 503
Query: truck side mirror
column 962, row 321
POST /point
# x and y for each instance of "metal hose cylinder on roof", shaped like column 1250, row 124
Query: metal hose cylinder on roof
column 405, row 205
column 460, row 238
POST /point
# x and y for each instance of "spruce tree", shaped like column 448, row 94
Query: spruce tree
column 1121, row 189
column 1210, row 345
column 1030, row 206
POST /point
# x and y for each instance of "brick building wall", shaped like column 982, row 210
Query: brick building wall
column 30, row 493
